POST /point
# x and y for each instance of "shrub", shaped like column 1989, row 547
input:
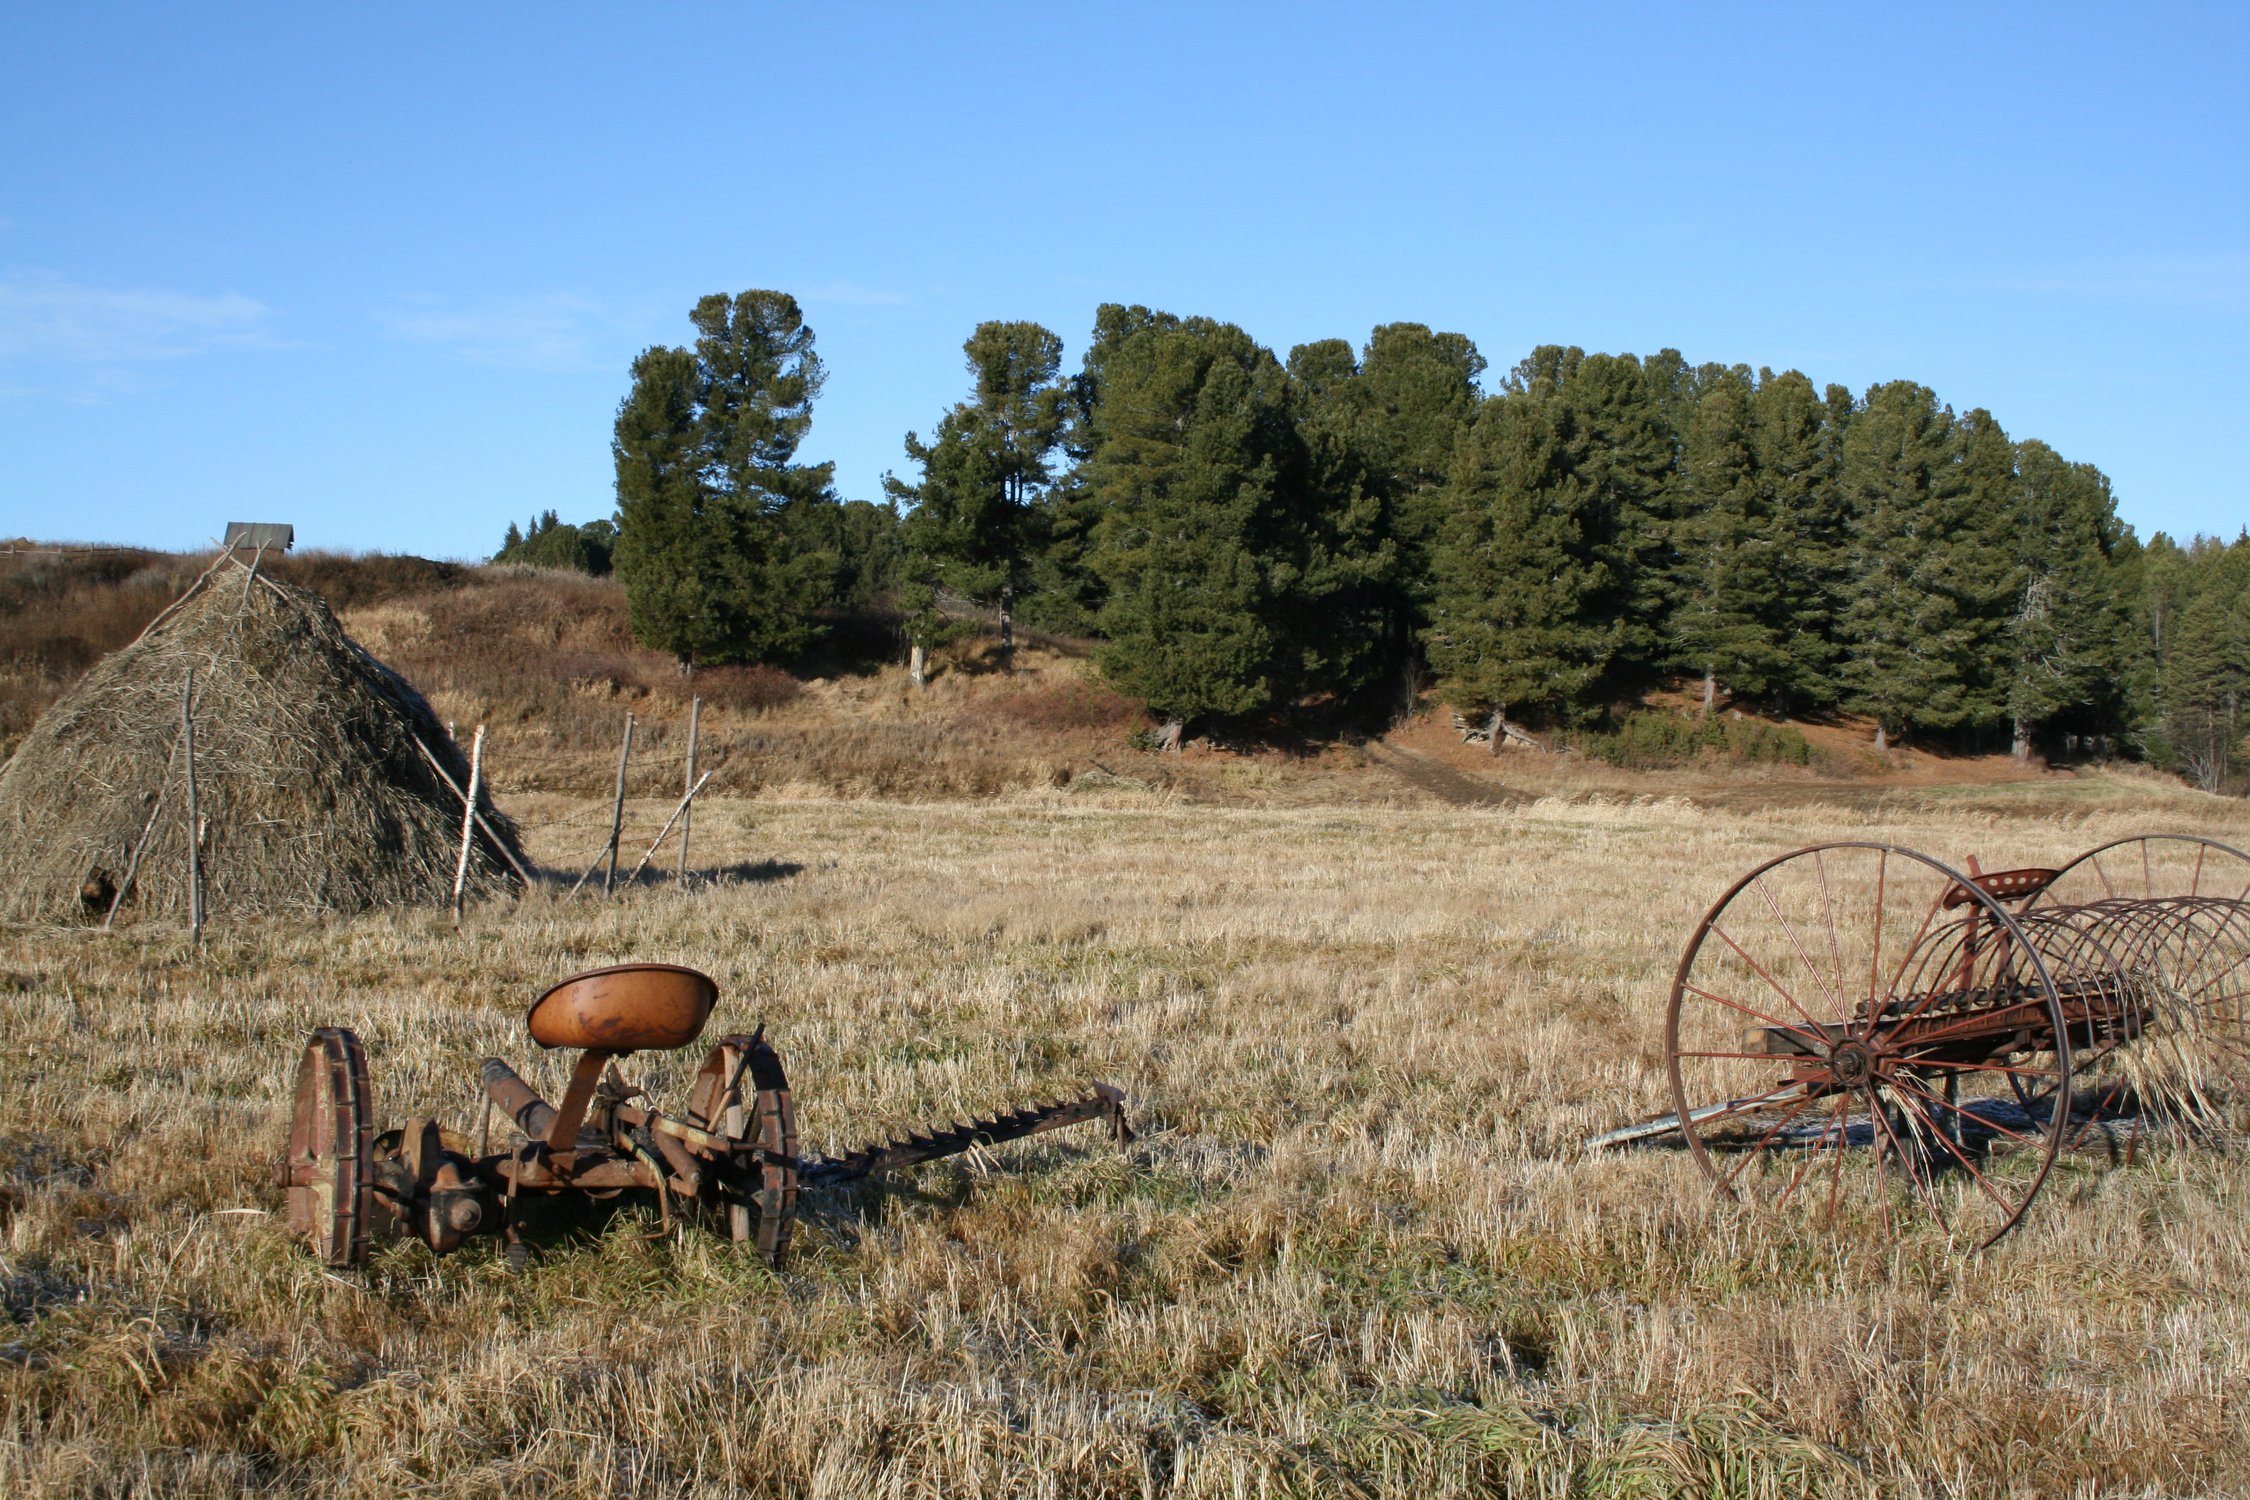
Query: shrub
column 1649, row 741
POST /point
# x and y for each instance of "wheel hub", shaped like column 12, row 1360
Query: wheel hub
column 1851, row 1063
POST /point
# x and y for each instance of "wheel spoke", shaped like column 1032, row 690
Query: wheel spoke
column 1955, row 1151
column 1813, row 1035
column 1802, row 956
column 1757, row 1150
column 1903, row 1082
column 1760, row 971
column 1835, row 1123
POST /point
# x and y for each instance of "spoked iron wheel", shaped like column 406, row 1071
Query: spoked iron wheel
column 2174, row 909
column 2150, row 867
column 742, row 1094
column 1843, row 1041
column 329, row 1169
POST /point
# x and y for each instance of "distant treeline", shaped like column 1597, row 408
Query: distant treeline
column 1251, row 538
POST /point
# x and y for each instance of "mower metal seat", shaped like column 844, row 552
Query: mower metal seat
column 625, row 1008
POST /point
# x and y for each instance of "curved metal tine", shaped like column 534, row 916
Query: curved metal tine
column 1964, row 1113
column 1990, row 1191
column 1907, row 957
column 1906, row 1161
column 2240, row 959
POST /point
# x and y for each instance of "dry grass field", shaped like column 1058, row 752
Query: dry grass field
column 1357, row 1250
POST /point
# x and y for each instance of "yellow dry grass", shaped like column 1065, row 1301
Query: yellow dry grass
column 1358, row 1252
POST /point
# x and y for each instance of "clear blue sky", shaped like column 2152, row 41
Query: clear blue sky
column 379, row 270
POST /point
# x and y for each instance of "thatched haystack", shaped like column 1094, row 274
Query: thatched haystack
column 312, row 792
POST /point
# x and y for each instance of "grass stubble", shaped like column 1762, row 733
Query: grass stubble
column 1357, row 1249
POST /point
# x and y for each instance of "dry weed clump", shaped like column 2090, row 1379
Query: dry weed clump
column 1357, row 1252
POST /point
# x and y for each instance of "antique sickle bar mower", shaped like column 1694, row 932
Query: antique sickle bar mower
column 1967, row 1026
column 733, row 1148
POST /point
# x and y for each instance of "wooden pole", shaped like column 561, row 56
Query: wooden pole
column 677, row 813
column 687, row 782
column 617, row 808
column 140, row 845
column 497, row 843
column 194, row 854
column 468, row 822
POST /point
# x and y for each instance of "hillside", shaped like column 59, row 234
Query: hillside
column 547, row 662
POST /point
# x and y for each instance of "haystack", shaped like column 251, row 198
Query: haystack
column 315, row 786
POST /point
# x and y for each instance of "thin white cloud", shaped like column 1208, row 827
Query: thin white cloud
column 535, row 333
column 50, row 319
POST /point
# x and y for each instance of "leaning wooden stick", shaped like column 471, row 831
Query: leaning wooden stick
column 468, row 822
column 194, row 854
column 677, row 814
column 140, row 845
column 454, row 787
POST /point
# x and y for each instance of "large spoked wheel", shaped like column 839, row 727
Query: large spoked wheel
column 1849, row 1031
column 2174, row 908
column 329, row 1169
column 2150, row 867
column 741, row 1094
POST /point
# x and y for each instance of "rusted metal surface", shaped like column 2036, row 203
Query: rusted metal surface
column 1969, row 1026
column 328, row 1165
column 733, row 1151
column 624, row 1008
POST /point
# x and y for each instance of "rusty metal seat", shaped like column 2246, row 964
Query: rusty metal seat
column 625, row 1008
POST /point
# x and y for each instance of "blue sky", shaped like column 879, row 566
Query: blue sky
column 380, row 271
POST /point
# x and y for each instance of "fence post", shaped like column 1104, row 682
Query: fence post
column 617, row 808
column 687, row 784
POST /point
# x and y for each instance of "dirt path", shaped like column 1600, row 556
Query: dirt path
column 1436, row 779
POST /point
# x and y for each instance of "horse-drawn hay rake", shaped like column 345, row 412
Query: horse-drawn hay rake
column 734, row 1149
column 1970, row 1027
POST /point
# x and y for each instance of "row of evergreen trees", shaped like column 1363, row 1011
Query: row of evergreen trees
column 1249, row 537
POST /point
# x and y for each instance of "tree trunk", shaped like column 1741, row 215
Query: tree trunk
column 1882, row 738
column 1007, row 627
column 1496, row 732
column 2022, row 746
column 917, row 664
column 687, row 668
column 1710, row 690
column 1168, row 738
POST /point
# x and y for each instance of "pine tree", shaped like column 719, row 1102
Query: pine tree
column 2206, row 671
column 1525, row 615
column 1905, row 639
column 721, row 543
column 1728, row 552
column 969, row 530
column 1793, row 441
column 1618, row 449
column 1196, row 464
column 2067, row 641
